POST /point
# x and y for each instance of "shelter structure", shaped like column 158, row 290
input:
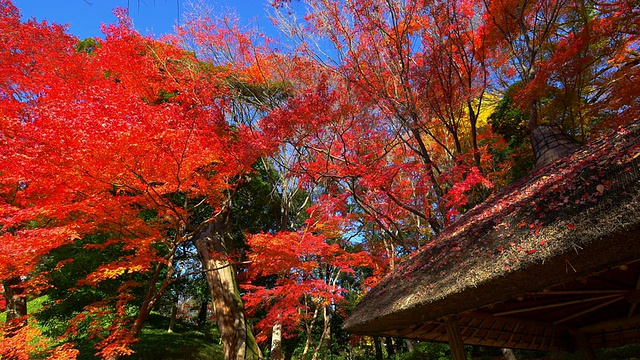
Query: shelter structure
column 551, row 263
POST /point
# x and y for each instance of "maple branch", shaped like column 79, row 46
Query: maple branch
column 427, row 161
column 164, row 203
column 204, row 199
column 371, row 211
column 405, row 206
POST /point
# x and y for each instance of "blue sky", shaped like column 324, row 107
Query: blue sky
column 150, row 17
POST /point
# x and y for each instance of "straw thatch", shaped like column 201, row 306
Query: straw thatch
column 548, row 262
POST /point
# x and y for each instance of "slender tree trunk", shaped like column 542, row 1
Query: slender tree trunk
column 473, row 120
column 202, row 314
column 153, row 294
column 174, row 313
column 509, row 354
column 391, row 350
column 378, row 345
column 16, row 303
column 237, row 340
column 327, row 334
column 326, row 331
column 276, row 342
column 309, row 328
column 409, row 344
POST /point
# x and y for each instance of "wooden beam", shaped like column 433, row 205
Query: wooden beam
column 518, row 320
column 548, row 306
column 593, row 308
column 580, row 292
column 455, row 338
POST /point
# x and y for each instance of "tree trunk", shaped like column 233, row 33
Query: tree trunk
column 473, row 120
column 409, row 345
column 326, row 331
column 237, row 340
column 16, row 305
column 154, row 294
column 550, row 142
column 309, row 325
column 202, row 314
column 509, row 354
column 391, row 350
column 378, row 345
column 174, row 313
column 276, row 342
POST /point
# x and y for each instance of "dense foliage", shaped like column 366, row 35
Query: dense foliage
column 213, row 167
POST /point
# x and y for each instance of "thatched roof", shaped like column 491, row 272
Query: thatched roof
column 554, row 253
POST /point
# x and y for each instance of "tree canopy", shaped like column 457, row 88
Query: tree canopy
column 290, row 178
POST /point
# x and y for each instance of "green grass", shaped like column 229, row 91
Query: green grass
column 32, row 306
column 186, row 342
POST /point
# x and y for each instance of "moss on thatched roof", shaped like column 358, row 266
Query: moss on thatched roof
column 501, row 247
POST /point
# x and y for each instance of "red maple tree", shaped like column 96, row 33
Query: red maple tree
column 305, row 278
column 96, row 136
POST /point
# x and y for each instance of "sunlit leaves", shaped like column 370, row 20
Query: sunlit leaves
column 305, row 268
column 106, row 141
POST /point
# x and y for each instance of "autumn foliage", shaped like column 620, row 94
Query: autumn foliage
column 305, row 270
column 102, row 139
column 390, row 118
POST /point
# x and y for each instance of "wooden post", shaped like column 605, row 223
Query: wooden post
column 455, row 339
column 583, row 347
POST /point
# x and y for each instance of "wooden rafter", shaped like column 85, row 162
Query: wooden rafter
column 580, row 292
column 549, row 306
column 586, row 311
